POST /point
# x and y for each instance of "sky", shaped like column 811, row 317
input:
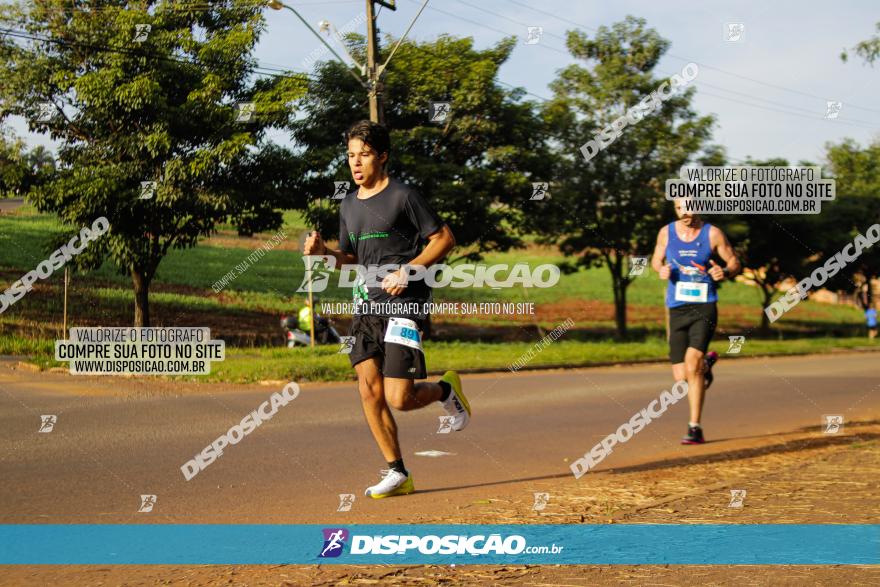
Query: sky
column 768, row 90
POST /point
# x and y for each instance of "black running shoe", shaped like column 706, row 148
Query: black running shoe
column 694, row 436
column 711, row 359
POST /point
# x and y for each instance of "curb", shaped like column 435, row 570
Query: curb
column 33, row 367
column 567, row 366
column 28, row 366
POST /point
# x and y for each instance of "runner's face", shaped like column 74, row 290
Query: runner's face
column 687, row 218
column 365, row 163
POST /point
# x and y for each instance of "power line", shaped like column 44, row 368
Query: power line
column 507, row 18
column 771, row 109
column 718, row 69
column 548, row 47
column 259, row 70
column 269, row 71
column 477, row 23
column 542, row 98
column 177, row 6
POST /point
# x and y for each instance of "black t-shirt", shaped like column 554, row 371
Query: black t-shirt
column 389, row 227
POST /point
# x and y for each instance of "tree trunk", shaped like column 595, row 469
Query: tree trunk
column 619, row 286
column 867, row 299
column 620, row 309
column 141, row 297
column 765, row 320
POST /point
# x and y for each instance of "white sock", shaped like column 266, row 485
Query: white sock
column 694, row 424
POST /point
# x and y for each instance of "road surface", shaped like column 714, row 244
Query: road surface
column 10, row 204
column 119, row 438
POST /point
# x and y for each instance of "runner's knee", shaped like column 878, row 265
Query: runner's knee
column 397, row 394
column 693, row 366
column 371, row 390
column 396, row 400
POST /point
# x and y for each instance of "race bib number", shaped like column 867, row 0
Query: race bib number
column 689, row 291
column 403, row 331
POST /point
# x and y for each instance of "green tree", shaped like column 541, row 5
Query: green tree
column 22, row 170
column 475, row 167
column 40, row 163
column 609, row 207
column 130, row 105
column 13, row 168
column 774, row 248
column 857, row 176
column 857, row 207
column 869, row 49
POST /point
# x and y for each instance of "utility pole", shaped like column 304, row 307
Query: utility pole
column 374, row 72
column 377, row 112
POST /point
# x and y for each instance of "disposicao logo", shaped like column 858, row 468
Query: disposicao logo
column 334, row 542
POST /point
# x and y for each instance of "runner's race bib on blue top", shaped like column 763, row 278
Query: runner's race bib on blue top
column 689, row 291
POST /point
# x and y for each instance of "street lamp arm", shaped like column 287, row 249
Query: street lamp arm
column 277, row 5
column 361, row 67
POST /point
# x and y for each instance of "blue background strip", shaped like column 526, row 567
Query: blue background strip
column 732, row 544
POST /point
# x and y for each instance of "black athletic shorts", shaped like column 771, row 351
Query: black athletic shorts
column 397, row 360
column 691, row 325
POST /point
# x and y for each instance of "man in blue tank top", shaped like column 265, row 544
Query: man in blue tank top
column 683, row 257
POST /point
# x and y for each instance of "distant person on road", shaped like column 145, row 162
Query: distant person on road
column 871, row 320
column 683, row 256
column 382, row 222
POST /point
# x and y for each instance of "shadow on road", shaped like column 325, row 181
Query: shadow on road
column 787, row 446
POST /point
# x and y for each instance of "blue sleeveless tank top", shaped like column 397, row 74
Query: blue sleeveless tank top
column 690, row 265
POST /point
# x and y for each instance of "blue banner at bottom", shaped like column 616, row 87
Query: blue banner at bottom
column 678, row 544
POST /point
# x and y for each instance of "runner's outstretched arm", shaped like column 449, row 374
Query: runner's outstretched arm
column 439, row 245
column 660, row 254
column 721, row 245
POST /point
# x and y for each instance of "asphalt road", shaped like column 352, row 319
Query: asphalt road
column 118, row 438
column 10, row 204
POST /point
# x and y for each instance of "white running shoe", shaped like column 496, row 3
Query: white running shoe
column 394, row 483
column 456, row 405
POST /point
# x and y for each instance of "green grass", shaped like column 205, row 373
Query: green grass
column 279, row 272
column 591, row 284
column 41, row 350
column 276, row 276
column 268, row 288
column 326, row 364
column 23, row 239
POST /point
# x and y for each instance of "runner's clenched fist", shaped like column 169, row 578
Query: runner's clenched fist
column 314, row 245
column 715, row 272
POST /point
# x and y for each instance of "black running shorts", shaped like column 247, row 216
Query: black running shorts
column 396, row 360
column 691, row 325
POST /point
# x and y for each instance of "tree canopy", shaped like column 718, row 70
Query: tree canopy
column 149, row 92
column 475, row 166
column 609, row 207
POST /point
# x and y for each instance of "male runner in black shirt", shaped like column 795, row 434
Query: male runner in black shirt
column 386, row 222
